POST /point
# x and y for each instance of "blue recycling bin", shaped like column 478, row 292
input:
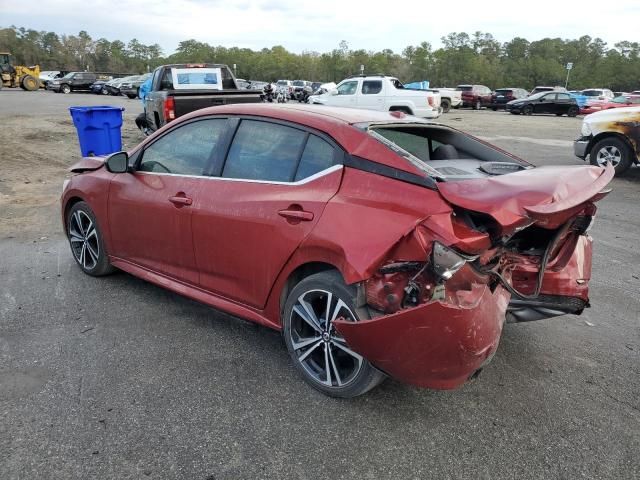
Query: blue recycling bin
column 98, row 129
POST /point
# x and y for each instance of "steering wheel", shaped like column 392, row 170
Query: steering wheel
column 151, row 164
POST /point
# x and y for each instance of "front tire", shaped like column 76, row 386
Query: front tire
column 527, row 110
column 445, row 103
column 85, row 240
column 65, row 88
column 612, row 150
column 318, row 352
column 477, row 105
column 573, row 111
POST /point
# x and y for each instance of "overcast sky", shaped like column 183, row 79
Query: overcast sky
column 321, row 25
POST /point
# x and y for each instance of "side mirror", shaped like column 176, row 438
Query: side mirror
column 333, row 91
column 118, row 162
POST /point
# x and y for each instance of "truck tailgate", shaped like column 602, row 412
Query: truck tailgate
column 187, row 102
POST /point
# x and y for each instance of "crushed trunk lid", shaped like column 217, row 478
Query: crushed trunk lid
column 548, row 196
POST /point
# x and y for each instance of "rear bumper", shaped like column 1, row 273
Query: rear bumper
column 427, row 112
column 580, row 147
column 435, row 345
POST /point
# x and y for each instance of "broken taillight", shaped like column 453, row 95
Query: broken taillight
column 169, row 109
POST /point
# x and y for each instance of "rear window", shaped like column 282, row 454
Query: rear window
column 504, row 91
column 464, row 88
column 592, row 93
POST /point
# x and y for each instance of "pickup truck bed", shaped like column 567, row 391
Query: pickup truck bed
column 213, row 85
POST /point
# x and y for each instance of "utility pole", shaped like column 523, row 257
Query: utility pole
column 569, row 67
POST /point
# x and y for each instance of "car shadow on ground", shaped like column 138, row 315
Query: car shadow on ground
column 204, row 322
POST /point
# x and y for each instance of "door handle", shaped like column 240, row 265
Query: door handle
column 180, row 200
column 296, row 215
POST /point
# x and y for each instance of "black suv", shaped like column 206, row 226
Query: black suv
column 502, row 96
column 558, row 103
column 72, row 82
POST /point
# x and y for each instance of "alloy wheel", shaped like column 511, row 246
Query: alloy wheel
column 84, row 240
column 320, row 350
column 608, row 154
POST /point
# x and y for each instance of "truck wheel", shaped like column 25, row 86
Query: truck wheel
column 611, row 150
column 65, row 88
column 446, row 105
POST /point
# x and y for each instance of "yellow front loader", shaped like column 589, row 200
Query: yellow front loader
column 27, row 78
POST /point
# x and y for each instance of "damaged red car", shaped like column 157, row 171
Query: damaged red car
column 380, row 244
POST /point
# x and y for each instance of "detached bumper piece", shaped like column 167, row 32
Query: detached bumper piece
column 436, row 344
column 545, row 306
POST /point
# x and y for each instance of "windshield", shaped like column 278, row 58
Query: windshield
column 465, row 88
column 298, row 83
column 282, row 83
column 69, row 75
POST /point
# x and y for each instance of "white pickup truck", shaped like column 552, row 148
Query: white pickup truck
column 383, row 93
column 449, row 97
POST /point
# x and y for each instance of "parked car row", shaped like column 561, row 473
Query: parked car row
column 92, row 82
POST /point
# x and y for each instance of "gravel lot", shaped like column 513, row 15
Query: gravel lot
column 116, row 378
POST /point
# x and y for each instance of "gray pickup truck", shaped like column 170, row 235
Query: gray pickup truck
column 182, row 88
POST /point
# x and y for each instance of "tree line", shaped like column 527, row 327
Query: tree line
column 462, row 58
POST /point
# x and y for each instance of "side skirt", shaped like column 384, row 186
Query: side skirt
column 193, row 292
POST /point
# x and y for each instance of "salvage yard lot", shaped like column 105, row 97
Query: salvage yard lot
column 117, row 378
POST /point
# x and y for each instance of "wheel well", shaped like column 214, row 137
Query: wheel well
column 300, row 273
column 406, row 110
column 603, row 135
column 70, row 203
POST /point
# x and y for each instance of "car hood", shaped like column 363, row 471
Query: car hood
column 517, row 101
column 547, row 196
column 619, row 114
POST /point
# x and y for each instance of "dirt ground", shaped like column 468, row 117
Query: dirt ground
column 38, row 151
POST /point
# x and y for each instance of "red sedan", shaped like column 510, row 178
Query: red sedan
column 378, row 243
column 618, row 102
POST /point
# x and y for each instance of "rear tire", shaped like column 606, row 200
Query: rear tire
column 614, row 150
column 65, row 88
column 446, row 105
column 527, row 110
column 318, row 352
column 573, row 111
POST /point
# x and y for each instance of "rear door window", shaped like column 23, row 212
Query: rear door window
column 371, row 87
column 264, row 151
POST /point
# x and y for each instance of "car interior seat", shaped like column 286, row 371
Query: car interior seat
column 445, row 152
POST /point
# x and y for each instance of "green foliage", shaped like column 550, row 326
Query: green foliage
column 463, row 58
